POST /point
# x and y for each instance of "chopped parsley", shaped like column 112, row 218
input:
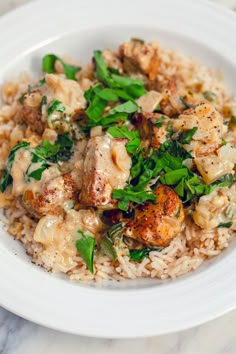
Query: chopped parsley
column 138, row 255
column 187, row 135
column 56, row 106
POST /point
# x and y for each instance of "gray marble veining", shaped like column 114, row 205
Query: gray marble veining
column 18, row 336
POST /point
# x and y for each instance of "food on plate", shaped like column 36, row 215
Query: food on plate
column 121, row 168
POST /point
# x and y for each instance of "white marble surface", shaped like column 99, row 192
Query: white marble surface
column 18, row 336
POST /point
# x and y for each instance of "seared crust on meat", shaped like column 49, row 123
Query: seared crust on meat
column 157, row 224
column 51, row 200
column 30, row 113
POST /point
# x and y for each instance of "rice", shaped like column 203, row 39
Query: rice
column 185, row 253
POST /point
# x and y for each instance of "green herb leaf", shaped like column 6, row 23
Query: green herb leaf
column 125, row 196
column 138, row 255
column 185, row 103
column 111, row 119
column 85, row 246
column 108, row 248
column 123, row 132
column 174, row 177
column 115, row 231
column 108, row 94
column 13, row 151
column 5, row 181
column 127, row 107
column 48, row 66
column 226, row 224
column 65, row 148
column 187, row 135
column 159, row 121
column 56, row 106
column 125, row 81
column 47, row 150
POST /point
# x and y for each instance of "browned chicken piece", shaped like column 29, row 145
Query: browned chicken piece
column 208, row 137
column 30, row 113
column 53, row 197
column 157, row 224
column 152, row 135
column 140, row 56
column 106, row 167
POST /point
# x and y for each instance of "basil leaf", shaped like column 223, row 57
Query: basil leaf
column 56, row 106
column 138, row 255
column 102, row 73
column 85, row 246
column 127, row 107
column 125, row 196
column 226, row 224
column 135, row 91
column 5, row 181
column 124, row 81
column 111, row 119
column 123, row 132
column 174, row 177
column 13, row 151
column 48, row 66
column 186, row 136
column 108, row 249
column 159, row 121
column 65, row 148
column 96, row 110
column 108, row 95
column 47, row 150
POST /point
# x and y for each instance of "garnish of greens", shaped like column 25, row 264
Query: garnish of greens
column 122, row 91
column 48, row 66
column 6, row 178
column 138, row 255
column 165, row 166
column 85, row 246
column 226, row 224
column 43, row 155
column 56, row 106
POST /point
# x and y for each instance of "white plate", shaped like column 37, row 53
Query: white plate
column 133, row 308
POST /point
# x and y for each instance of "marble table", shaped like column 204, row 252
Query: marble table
column 18, row 336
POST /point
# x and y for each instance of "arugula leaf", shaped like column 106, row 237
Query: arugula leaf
column 48, row 66
column 138, row 255
column 159, row 121
column 85, row 246
column 5, row 181
column 226, row 224
column 125, row 196
column 108, row 248
column 187, row 135
column 127, row 107
column 56, row 106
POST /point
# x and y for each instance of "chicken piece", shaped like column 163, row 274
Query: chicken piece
column 218, row 207
column 152, row 135
column 67, row 91
column 53, row 198
column 140, row 56
column 208, row 138
column 157, row 224
column 212, row 167
column 106, row 167
column 149, row 101
column 30, row 113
